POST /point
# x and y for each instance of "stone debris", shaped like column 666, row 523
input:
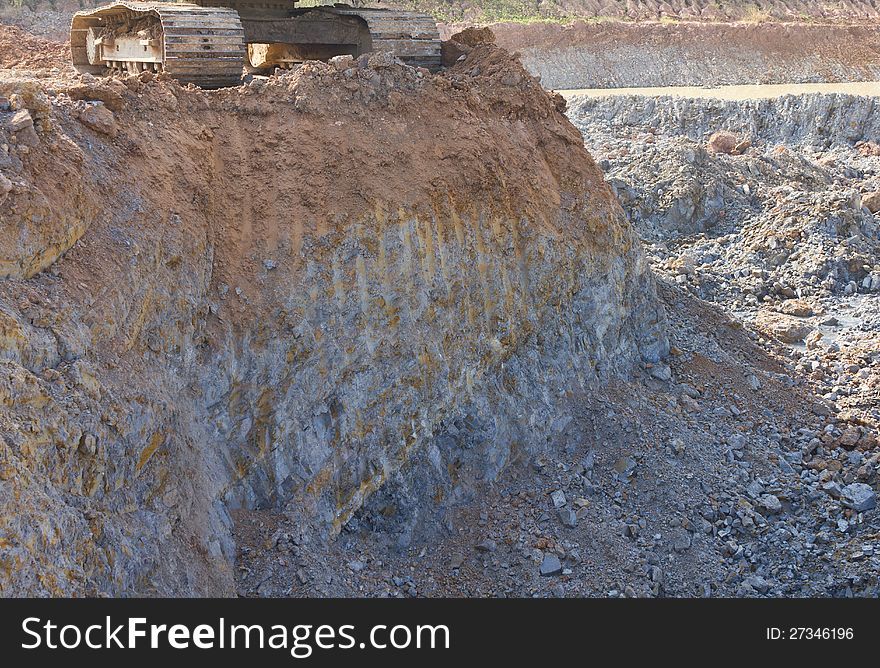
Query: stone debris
column 18, row 121
column 770, row 504
column 568, row 517
column 487, row 545
column 859, row 496
column 558, row 498
column 550, row 565
column 100, row 119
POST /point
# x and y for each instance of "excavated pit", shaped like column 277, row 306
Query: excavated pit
column 284, row 294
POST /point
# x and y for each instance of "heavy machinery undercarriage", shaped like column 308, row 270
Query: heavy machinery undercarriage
column 210, row 42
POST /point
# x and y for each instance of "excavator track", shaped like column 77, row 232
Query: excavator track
column 413, row 37
column 205, row 42
column 200, row 45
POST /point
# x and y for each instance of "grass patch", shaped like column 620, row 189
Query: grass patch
column 754, row 14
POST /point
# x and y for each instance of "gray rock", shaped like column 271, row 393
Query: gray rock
column 832, row 489
column 661, row 372
column 550, row 565
column 568, row 517
column 558, row 498
column 755, row 489
column 487, row 546
column 589, row 461
column 682, row 543
column 859, row 496
column 770, row 504
column 19, row 121
column 758, row 583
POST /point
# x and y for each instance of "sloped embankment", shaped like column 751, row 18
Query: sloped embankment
column 279, row 294
column 626, row 55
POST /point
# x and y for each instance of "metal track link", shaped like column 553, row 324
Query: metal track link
column 411, row 36
column 201, row 45
column 205, row 45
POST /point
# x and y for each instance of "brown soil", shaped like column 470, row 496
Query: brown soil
column 853, row 45
column 20, row 50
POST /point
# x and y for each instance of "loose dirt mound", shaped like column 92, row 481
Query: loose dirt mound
column 288, row 292
column 20, row 50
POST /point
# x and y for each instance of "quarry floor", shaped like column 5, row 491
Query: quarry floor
column 736, row 92
column 725, row 472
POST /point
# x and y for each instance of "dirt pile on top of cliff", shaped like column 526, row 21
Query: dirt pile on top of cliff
column 20, row 50
column 288, row 292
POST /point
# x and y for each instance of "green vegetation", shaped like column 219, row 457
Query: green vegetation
column 490, row 11
column 755, row 14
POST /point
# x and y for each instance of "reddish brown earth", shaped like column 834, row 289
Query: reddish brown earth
column 20, row 50
column 850, row 44
column 618, row 54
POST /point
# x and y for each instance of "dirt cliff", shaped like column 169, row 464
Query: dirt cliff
column 617, row 54
column 284, row 293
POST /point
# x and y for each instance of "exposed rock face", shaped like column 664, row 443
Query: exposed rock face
column 817, row 120
column 288, row 293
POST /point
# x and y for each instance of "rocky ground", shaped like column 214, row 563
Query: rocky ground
column 748, row 466
column 723, row 474
column 773, row 219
